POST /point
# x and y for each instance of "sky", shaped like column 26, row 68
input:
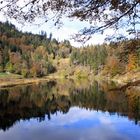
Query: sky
column 68, row 29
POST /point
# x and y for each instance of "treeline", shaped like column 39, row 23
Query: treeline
column 32, row 55
column 29, row 54
column 109, row 59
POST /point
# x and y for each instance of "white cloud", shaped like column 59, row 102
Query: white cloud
column 75, row 114
column 2, row 18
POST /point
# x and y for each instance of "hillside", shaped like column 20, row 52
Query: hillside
column 118, row 60
column 27, row 54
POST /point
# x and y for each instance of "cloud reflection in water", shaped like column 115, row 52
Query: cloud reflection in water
column 77, row 124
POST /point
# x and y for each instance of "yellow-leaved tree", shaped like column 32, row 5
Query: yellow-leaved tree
column 132, row 62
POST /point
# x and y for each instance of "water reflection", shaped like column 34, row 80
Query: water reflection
column 100, row 97
column 69, row 110
column 30, row 102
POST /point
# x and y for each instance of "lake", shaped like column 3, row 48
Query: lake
column 69, row 110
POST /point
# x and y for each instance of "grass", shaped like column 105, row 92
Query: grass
column 9, row 80
column 9, row 75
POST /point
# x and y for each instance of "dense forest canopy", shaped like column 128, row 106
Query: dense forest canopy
column 28, row 54
column 102, row 14
column 109, row 59
column 36, row 55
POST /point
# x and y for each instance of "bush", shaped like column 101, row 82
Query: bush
column 24, row 73
column 79, row 73
column 132, row 62
column 138, row 54
column 1, row 68
column 50, row 68
column 33, row 72
column 10, row 67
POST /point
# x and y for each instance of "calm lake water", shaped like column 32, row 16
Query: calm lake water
column 69, row 110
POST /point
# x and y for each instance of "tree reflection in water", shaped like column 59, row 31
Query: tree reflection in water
column 37, row 101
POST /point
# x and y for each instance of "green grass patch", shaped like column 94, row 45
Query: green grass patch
column 10, row 75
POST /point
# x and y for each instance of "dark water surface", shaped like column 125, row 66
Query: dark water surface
column 68, row 110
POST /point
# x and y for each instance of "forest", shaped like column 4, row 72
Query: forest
column 38, row 55
column 28, row 54
column 110, row 59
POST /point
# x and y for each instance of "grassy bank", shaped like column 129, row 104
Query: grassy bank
column 125, row 80
column 15, row 82
column 9, row 75
column 9, row 80
column 122, row 81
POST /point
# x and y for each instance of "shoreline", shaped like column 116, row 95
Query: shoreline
column 11, row 82
column 121, row 81
column 26, row 81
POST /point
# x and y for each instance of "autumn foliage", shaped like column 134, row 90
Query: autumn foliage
column 132, row 62
column 29, row 54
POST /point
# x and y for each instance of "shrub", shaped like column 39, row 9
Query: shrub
column 24, row 73
column 10, row 67
column 132, row 62
column 79, row 73
column 50, row 67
